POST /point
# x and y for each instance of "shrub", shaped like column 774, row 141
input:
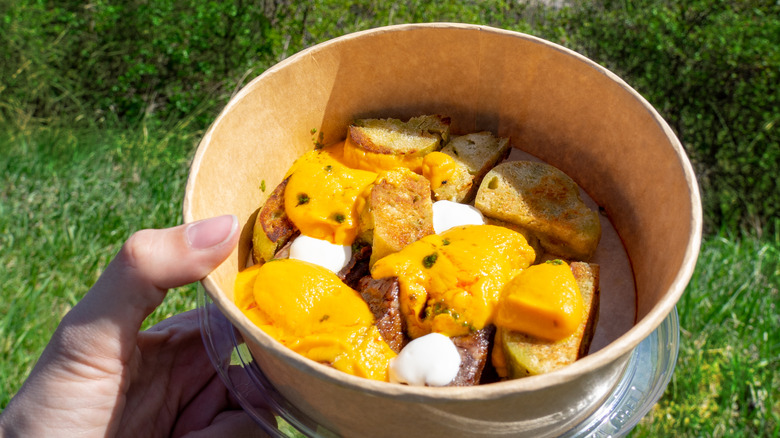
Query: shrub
column 711, row 68
column 126, row 61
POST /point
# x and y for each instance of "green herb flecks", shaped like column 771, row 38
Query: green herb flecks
column 319, row 140
column 440, row 308
column 303, row 198
column 429, row 260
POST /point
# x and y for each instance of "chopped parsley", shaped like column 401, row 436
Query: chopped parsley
column 338, row 217
column 318, row 141
column 429, row 260
column 328, row 168
column 440, row 308
column 303, row 198
column 445, row 241
column 357, row 246
column 555, row 262
column 262, row 185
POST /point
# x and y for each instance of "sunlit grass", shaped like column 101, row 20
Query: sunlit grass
column 726, row 381
column 68, row 200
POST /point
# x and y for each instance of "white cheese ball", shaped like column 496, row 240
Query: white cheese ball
column 449, row 214
column 320, row 252
column 431, row 360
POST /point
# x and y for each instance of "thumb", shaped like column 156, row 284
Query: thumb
column 77, row 382
column 149, row 263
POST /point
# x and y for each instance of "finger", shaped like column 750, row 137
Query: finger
column 173, row 370
column 149, row 263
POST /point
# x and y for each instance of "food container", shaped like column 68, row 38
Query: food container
column 555, row 105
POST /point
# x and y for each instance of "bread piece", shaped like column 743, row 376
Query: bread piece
column 524, row 355
column 544, row 200
column 473, row 155
column 272, row 229
column 418, row 136
column 398, row 212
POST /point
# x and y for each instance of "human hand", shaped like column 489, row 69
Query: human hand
column 100, row 376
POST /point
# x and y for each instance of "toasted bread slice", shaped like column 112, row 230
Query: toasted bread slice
column 417, row 136
column 544, row 200
column 517, row 355
column 471, row 157
column 398, row 212
column 388, row 143
column 272, row 229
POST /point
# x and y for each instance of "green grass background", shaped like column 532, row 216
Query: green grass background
column 80, row 170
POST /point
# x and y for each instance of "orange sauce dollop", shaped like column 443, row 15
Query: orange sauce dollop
column 311, row 311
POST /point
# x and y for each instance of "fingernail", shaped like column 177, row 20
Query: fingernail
column 211, row 232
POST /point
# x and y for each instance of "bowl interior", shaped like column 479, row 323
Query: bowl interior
column 553, row 103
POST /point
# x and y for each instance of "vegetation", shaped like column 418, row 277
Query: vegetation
column 710, row 67
column 102, row 104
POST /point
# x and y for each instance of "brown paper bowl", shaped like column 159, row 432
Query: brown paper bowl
column 554, row 104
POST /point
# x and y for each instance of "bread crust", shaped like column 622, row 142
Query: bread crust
column 475, row 154
column 545, row 201
column 398, row 212
column 273, row 229
column 417, row 136
column 526, row 355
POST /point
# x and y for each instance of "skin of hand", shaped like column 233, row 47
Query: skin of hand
column 100, row 376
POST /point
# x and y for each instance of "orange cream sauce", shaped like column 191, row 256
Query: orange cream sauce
column 359, row 158
column 323, row 197
column 438, row 167
column 450, row 283
column 543, row 301
column 310, row 310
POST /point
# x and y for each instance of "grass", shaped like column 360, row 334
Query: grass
column 726, row 380
column 69, row 198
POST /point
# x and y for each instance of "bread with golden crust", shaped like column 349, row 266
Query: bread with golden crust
column 272, row 229
column 521, row 355
column 545, row 201
column 398, row 211
column 415, row 137
column 474, row 154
